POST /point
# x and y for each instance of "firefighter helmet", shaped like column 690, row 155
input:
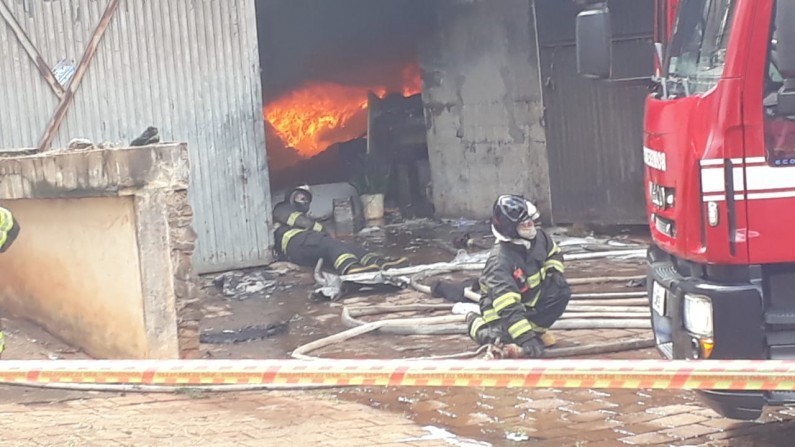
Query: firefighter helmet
column 508, row 212
column 301, row 198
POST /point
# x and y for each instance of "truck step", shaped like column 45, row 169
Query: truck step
column 781, row 397
column 780, row 319
column 666, row 272
column 785, row 352
column 780, row 338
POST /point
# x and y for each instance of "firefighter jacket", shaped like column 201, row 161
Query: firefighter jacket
column 511, row 283
column 9, row 229
column 290, row 222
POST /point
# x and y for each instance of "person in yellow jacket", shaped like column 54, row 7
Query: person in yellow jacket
column 9, row 229
column 301, row 240
column 523, row 290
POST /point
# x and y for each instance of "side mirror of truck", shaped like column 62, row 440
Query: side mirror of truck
column 785, row 55
column 594, row 42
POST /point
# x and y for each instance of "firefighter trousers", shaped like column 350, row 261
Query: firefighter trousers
column 307, row 247
column 555, row 295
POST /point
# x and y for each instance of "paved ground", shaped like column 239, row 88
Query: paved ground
column 581, row 417
column 362, row 416
column 242, row 419
column 543, row 418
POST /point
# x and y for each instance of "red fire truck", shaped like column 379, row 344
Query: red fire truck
column 719, row 154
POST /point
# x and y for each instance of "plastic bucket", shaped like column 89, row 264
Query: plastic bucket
column 373, row 205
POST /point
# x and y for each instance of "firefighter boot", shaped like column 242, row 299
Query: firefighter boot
column 348, row 264
column 384, row 262
column 547, row 338
column 394, row 263
column 354, row 268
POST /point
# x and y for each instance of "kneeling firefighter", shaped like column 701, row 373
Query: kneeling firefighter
column 301, row 240
column 523, row 290
column 9, row 229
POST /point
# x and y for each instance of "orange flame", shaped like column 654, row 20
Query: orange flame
column 412, row 82
column 319, row 114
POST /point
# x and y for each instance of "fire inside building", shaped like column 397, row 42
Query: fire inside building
column 342, row 95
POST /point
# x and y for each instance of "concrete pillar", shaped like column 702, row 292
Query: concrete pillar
column 483, row 106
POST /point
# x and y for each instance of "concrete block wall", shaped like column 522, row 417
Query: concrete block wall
column 483, row 106
column 103, row 260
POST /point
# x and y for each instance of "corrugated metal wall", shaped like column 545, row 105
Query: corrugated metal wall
column 595, row 130
column 189, row 68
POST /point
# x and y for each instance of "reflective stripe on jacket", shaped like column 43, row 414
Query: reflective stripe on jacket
column 288, row 222
column 9, row 229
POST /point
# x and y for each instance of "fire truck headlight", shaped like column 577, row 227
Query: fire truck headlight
column 698, row 315
column 661, row 196
column 669, row 197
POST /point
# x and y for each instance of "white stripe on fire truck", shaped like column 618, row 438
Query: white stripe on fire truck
column 750, row 178
column 770, row 195
column 713, row 180
column 761, row 178
column 750, row 196
column 722, row 197
column 735, row 161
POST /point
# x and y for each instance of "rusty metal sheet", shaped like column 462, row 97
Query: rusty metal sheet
column 188, row 67
column 595, row 131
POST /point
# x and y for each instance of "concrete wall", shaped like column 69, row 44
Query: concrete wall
column 103, row 259
column 77, row 260
column 483, row 106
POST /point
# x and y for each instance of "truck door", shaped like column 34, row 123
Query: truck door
column 770, row 149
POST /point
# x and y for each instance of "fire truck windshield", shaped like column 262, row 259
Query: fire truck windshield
column 697, row 53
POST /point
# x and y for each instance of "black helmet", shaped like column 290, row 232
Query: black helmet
column 508, row 211
column 300, row 198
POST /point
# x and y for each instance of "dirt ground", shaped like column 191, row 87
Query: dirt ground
column 279, row 296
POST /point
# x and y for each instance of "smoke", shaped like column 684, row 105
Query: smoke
column 350, row 42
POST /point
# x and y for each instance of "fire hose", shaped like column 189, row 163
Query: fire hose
column 614, row 310
column 454, row 324
column 611, row 305
column 603, row 310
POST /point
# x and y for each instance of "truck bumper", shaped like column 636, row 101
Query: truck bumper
column 738, row 329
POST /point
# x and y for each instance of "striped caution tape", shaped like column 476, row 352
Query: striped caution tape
column 634, row 374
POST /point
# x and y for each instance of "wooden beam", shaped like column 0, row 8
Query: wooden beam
column 88, row 56
column 30, row 48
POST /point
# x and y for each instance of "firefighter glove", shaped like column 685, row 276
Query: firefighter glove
column 533, row 348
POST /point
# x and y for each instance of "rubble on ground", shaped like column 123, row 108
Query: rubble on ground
column 245, row 285
column 244, row 334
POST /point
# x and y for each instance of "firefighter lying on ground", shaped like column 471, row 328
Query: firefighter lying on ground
column 301, row 240
column 9, row 229
column 522, row 287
